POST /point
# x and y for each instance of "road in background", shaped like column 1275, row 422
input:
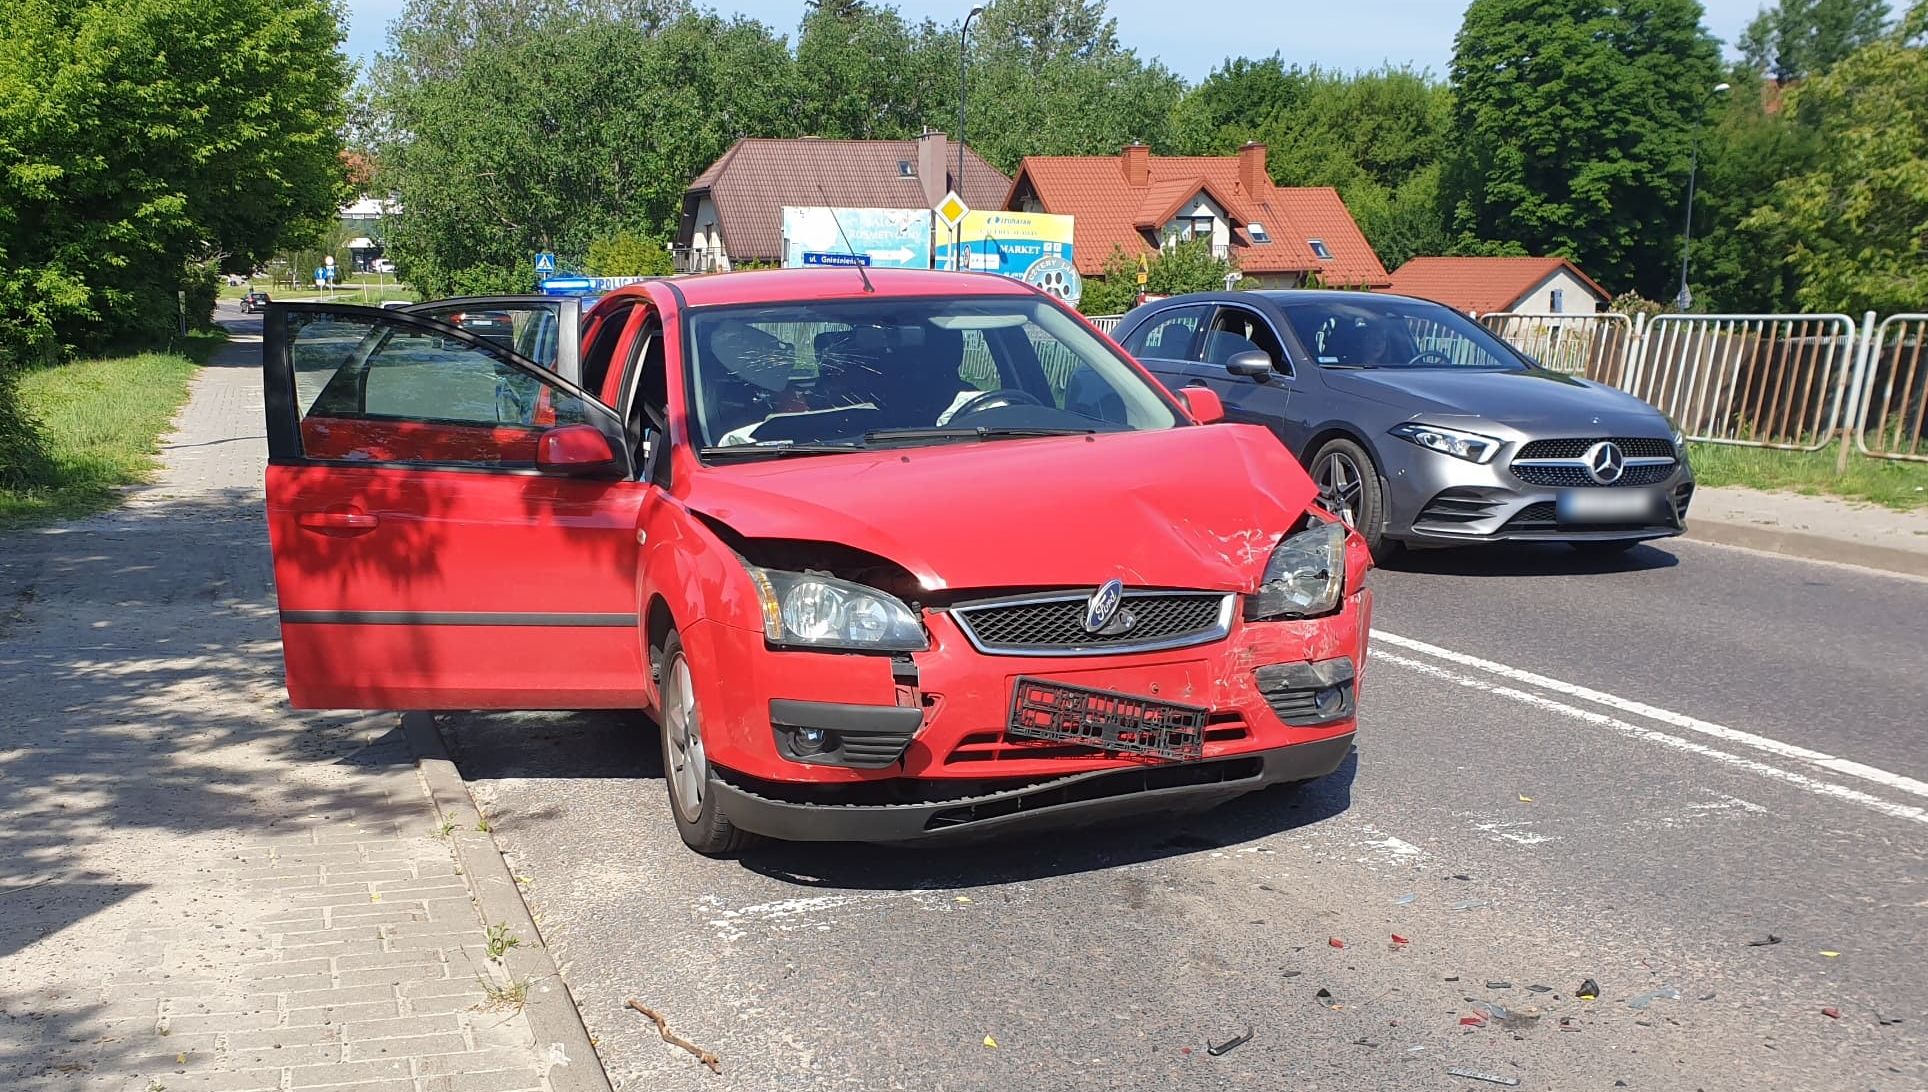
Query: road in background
column 1637, row 773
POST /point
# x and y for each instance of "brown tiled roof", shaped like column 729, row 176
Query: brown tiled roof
column 1480, row 285
column 1109, row 210
column 757, row 177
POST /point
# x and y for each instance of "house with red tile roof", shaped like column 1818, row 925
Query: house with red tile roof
column 733, row 211
column 1136, row 202
column 1484, row 286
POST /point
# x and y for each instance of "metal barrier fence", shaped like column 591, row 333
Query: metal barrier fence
column 1590, row 346
column 1759, row 380
column 1107, row 323
column 1894, row 391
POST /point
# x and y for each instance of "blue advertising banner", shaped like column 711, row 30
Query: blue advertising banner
column 886, row 238
column 1034, row 247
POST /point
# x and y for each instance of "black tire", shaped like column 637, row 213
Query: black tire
column 1605, row 549
column 1349, row 488
column 701, row 822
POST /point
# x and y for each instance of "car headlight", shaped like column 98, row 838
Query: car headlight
column 811, row 611
column 1679, row 435
column 1304, row 576
column 1470, row 446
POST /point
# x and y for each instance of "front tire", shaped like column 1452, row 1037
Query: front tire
column 687, row 774
column 1349, row 488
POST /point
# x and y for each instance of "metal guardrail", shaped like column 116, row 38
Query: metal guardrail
column 1107, row 323
column 1590, row 346
column 1893, row 391
column 1757, row 380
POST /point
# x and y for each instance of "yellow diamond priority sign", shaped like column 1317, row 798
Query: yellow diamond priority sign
column 952, row 209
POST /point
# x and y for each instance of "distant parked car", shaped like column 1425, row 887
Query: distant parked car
column 1418, row 424
column 254, row 300
column 381, row 265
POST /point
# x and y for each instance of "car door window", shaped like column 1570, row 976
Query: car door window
column 1169, row 335
column 600, row 342
column 526, row 326
column 366, row 390
column 1238, row 329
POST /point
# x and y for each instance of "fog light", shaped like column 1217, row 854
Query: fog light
column 810, row 740
column 1330, row 702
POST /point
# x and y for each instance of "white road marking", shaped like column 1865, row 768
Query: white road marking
column 809, row 912
column 1721, row 732
column 1513, row 830
column 1789, row 777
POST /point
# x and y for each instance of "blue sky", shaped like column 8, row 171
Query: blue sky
column 1350, row 35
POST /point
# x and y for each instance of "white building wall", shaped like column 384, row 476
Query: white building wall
column 1575, row 297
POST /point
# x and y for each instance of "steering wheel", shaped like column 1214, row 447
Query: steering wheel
column 1004, row 396
column 1431, row 356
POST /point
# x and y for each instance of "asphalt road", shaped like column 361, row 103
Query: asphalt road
column 1564, row 772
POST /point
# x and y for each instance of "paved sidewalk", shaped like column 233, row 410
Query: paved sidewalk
column 1821, row 528
column 200, row 889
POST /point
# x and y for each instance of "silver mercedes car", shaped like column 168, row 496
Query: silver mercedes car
column 1420, row 426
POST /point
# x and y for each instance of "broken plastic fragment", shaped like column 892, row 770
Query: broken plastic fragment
column 1831, row 955
column 1324, row 997
column 1406, row 900
column 1831, row 1013
column 1472, row 1020
column 1588, row 990
column 1229, row 1045
column 990, row 1042
column 1541, row 989
column 1525, row 799
column 1770, row 939
column 1336, row 942
column 1397, row 939
column 1490, row 1078
column 1499, row 985
column 1665, row 993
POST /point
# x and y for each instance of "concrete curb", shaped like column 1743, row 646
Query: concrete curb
column 1811, row 547
column 550, row 1010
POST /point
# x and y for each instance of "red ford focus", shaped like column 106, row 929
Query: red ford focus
column 889, row 558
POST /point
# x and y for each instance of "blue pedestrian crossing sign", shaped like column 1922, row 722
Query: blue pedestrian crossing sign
column 545, row 262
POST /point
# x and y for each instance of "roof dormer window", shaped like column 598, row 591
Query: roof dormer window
column 1257, row 232
column 1319, row 249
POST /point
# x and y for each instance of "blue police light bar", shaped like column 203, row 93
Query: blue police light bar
column 568, row 286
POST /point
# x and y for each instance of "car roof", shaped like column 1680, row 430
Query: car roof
column 1282, row 296
column 837, row 282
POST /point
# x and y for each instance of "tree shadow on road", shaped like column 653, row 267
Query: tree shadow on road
column 1528, row 559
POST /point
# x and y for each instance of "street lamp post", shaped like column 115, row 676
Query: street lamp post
column 1685, row 299
column 963, row 35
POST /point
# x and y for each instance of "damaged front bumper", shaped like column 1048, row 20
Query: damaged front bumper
column 1070, row 802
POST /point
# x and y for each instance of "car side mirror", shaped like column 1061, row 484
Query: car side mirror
column 574, row 450
column 1250, row 364
column 1202, row 403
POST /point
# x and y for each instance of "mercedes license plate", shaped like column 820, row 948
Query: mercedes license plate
column 1108, row 721
column 1583, row 506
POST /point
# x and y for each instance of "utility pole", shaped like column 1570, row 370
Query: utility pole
column 1685, row 299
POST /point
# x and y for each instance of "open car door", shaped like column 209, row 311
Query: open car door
column 453, row 525
column 543, row 329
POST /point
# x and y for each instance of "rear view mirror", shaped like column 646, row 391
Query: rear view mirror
column 576, row 450
column 1202, row 403
column 1250, row 364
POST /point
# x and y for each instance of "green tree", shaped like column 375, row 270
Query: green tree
column 1744, row 153
column 555, row 125
column 1857, row 219
column 1797, row 38
column 1572, row 121
column 146, row 143
column 1048, row 77
column 628, row 255
column 1179, row 268
column 864, row 74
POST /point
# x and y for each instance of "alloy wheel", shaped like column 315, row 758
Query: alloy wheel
column 1340, row 485
column 689, row 766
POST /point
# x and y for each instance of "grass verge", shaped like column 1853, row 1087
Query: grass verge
column 100, row 421
column 1893, row 484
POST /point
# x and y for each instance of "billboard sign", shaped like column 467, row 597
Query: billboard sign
column 1034, row 247
column 879, row 238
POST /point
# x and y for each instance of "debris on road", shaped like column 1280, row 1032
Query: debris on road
column 1886, row 1021
column 1665, row 993
column 1588, row 990
column 1525, row 799
column 1831, row 955
column 1708, row 996
column 1472, row 1020
column 1540, row 989
column 1406, row 900
column 1769, row 939
column 1336, row 942
column 1471, row 904
column 1399, row 941
column 1324, row 997
column 1476, row 1075
column 1292, row 974
column 992, row 1043
column 662, row 1028
column 1831, row 1013
column 1229, row 1045
column 1499, row 985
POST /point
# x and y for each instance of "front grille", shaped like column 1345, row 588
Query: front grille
column 1055, row 623
column 1634, row 447
column 1575, row 476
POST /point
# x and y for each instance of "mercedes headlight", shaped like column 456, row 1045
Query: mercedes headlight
column 1304, row 576
column 812, row 611
column 1470, row 446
